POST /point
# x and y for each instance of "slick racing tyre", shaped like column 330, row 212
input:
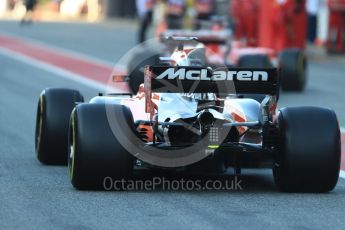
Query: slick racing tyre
column 136, row 67
column 255, row 61
column 53, row 112
column 309, row 159
column 94, row 151
column 293, row 65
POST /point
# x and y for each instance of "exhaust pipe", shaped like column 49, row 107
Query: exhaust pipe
column 205, row 119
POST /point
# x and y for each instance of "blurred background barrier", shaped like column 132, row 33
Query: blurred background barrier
column 118, row 8
column 267, row 23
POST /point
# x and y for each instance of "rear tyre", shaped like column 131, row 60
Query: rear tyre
column 293, row 65
column 53, row 112
column 310, row 150
column 255, row 61
column 94, row 152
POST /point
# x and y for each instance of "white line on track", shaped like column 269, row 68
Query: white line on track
column 342, row 129
column 342, row 174
column 61, row 50
column 52, row 69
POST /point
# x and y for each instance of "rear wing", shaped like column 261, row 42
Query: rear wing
column 204, row 80
column 207, row 36
column 181, row 79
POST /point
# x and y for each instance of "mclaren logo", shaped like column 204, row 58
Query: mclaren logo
column 221, row 75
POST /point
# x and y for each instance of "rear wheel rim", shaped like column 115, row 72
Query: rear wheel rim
column 71, row 148
column 39, row 124
column 301, row 70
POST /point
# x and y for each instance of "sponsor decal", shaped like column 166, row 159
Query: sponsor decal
column 218, row 75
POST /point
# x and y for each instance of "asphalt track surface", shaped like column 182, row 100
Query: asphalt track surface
column 33, row 196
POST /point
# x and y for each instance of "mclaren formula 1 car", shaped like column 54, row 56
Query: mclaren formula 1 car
column 188, row 115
